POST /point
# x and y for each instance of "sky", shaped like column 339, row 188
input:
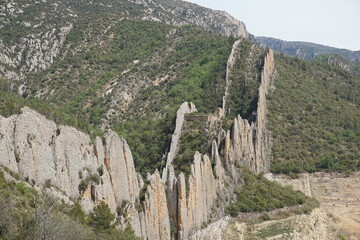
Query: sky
column 333, row 23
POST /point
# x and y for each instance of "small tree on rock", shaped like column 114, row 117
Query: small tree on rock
column 101, row 217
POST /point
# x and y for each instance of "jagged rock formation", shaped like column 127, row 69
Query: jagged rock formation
column 263, row 139
column 63, row 159
column 230, row 64
column 240, row 144
column 191, row 199
column 156, row 211
column 185, row 108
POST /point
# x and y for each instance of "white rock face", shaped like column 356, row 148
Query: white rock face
column 156, row 211
column 191, row 200
column 40, row 150
column 250, row 144
column 229, row 66
column 196, row 201
column 263, row 138
column 185, row 108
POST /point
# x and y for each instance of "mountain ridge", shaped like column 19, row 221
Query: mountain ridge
column 307, row 50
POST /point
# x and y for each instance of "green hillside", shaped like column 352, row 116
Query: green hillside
column 314, row 117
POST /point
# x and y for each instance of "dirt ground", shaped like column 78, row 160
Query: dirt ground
column 339, row 196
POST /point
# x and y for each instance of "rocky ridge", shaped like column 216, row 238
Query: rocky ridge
column 190, row 207
column 64, row 160
column 306, row 50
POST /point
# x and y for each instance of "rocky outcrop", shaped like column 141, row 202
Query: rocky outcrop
column 184, row 109
column 249, row 144
column 191, row 199
column 156, row 211
column 196, row 200
column 214, row 231
column 229, row 66
column 263, row 138
column 64, row 159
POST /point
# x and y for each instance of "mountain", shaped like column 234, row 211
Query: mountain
column 33, row 33
column 164, row 116
column 306, row 50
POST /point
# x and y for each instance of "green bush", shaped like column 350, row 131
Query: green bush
column 84, row 183
column 101, row 217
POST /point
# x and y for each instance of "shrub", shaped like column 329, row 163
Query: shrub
column 101, row 217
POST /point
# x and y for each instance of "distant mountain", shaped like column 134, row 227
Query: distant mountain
column 306, row 50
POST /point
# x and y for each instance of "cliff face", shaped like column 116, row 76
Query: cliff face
column 184, row 109
column 63, row 159
column 250, row 143
column 229, row 66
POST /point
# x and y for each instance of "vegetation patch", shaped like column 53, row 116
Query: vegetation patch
column 25, row 214
column 84, row 183
column 258, row 194
column 245, row 80
column 194, row 138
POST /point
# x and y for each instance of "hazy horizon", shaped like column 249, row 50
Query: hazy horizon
column 332, row 23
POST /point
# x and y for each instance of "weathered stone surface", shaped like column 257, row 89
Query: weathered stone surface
column 156, row 210
column 263, row 141
column 191, row 199
column 120, row 165
column 214, row 231
column 40, row 150
column 229, row 66
column 195, row 202
column 250, row 144
column 185, row 108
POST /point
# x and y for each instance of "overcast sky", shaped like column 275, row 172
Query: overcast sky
column 329, row 22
